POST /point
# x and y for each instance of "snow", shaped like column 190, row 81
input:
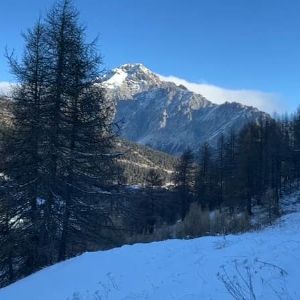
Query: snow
column 177, row 269
column 2, row 175
column 40, row 201
column 128, row 72
column 163, row 122
column 116, row 80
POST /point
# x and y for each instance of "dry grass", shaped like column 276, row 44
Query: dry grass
column 198, row 222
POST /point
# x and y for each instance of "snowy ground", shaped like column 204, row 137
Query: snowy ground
column 266, row 263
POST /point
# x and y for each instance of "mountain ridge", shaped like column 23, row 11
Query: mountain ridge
column 169, row 117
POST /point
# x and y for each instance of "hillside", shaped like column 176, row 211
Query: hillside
column 264, row 263
column 137, row 160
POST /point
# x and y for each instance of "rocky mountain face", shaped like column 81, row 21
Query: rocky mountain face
column 168, row 117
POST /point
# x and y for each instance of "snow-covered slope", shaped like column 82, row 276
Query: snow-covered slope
column 166, row 116
column 178, row 270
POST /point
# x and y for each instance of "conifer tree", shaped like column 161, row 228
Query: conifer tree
column 184, row 181
column 203, row 180
column 220, row 169
column 296, row 143
column 230, row 171
column 58, row 155
column 23, row 152
column 153, row 178
column 79, row 128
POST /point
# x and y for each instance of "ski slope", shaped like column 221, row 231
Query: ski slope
column 177, row 269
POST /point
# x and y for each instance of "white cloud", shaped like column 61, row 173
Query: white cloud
column 267, row 102
column 5, row 87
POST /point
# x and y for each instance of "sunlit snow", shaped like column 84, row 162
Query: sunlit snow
column 177, row 269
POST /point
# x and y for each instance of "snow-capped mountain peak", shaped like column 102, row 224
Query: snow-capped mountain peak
column 115, row 78
column 134, row 68
column 166, row 116
column 129, row 79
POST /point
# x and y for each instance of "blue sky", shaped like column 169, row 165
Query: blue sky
column 237, row 46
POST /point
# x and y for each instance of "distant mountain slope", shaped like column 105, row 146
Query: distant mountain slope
column 256, row 265
column 169, row 117
column 137, row 160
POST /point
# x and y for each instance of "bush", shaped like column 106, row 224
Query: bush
column 198, row 222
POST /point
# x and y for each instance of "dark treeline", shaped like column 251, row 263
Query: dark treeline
column 246, row 173
column 253, row 167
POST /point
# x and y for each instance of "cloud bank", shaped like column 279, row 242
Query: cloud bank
column 267, row 102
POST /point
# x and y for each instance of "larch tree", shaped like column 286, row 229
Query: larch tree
column 58, row 154
column 23, row 157
column 203, row 176
column 184, row 181
column 80, row 131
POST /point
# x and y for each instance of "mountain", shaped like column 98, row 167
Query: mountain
column 255, row 265
column 166, row 116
